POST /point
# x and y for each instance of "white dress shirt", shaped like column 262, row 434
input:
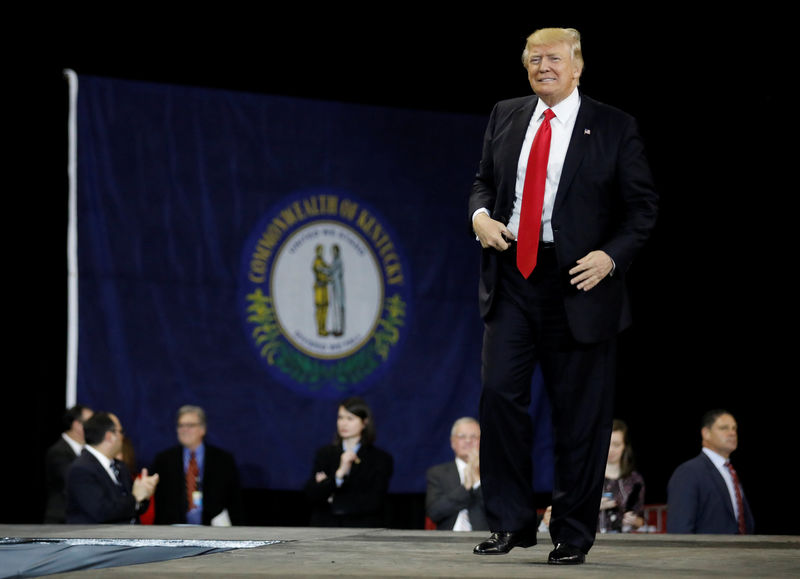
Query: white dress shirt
column 76, row 447
column 719, row 462
column 561, row 130
column 462, row 520
column 104, row 460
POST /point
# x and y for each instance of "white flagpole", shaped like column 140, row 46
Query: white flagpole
column 72, row 243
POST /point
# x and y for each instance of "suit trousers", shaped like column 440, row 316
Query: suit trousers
column 528, row 326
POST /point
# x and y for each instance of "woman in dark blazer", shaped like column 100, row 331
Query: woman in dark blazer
column 350, row 477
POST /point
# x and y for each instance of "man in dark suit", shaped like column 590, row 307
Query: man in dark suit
column 559, row 232
column 704, row 494
column 58, row 458
column 454, row 498
column 99, row 487
column 211, row 489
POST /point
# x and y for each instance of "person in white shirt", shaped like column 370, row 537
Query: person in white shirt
column 58, row 458
column 454, row 499
column 705, row 494
column 100, row 489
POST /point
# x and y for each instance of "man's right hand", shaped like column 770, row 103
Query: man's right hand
column 346, row 461
column 491, row 233
column 144, row 486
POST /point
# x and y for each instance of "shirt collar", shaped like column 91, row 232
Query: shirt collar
column 718, row 460
column 76, row 446
column 563, row 110
column 199, row 453
column 355, row 449
column 102, row 458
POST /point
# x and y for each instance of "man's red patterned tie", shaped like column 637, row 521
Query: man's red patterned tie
column 739, row 501
column 191, row 481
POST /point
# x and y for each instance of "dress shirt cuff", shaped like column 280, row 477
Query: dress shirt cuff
column 481, row 210
column 475, row 214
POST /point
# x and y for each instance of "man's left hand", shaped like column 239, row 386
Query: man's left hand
column 591, row 270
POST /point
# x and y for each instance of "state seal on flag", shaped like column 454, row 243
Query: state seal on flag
column 325, row 293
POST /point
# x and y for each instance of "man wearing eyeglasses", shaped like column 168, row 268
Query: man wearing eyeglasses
column 199, row 482
column 100, row 488
column 454, row 500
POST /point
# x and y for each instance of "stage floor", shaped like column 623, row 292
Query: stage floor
column 316, row 552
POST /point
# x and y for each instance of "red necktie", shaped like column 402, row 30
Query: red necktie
column 530, row 219
column 739, row 501
column 191, row 481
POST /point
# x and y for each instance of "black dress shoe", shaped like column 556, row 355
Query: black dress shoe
column 502, row 542
column 565, row 554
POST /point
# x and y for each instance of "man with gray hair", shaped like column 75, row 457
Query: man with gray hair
column 199, row 482
column 454, row 499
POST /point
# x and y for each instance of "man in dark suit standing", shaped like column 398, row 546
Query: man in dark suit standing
column 562, row 202
column 454, row 499
column 100, row 488
column 58, row 458
column 198, row 481
column 704, row 494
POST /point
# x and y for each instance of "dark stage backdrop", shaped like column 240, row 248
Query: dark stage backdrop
column 265, row 257
column 708, row 292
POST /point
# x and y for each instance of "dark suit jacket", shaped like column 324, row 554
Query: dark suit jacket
column 605, row 200
column 445, row 497
column 359, row 502
column 220, row 486
column 56, row 462
column 698, row 500
column 92, row 497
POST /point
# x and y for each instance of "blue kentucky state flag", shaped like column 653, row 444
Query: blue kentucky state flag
column 265, row 257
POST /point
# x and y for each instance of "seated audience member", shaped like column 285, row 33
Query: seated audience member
column 622, row 505
column 99, row 487
column 453, row 499
column 350, row 478
column 58, row 458
column 544, row 522
column 704, row 494
column 199, row 482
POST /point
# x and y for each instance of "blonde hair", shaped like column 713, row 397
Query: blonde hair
column 553, row 35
